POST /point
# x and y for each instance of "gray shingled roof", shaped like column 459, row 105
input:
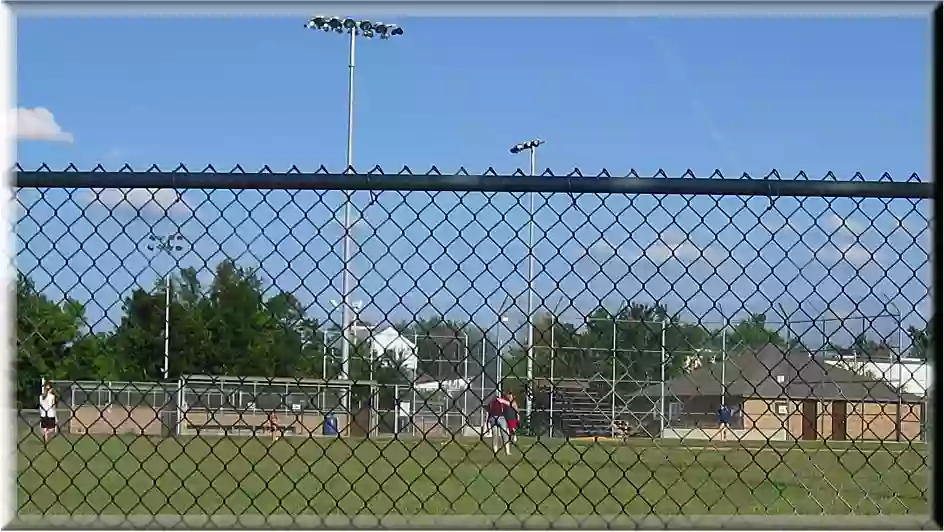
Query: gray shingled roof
column 754, row 374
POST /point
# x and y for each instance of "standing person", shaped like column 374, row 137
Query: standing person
column 511, row 416
column 724, row 419
column 498, row 424
column 47, row 411
column 274, row 425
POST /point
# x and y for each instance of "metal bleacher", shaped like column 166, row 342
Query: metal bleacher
column 578, row 410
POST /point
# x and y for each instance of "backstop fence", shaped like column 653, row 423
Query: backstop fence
column 186, row 317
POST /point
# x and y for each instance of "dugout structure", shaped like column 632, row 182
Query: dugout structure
column 234, row 406
column 96, row 407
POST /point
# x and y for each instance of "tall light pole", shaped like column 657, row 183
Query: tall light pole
column 167, row 244
column 354, row 28
column 531, row 147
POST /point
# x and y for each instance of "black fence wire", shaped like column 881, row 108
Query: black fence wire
column 237, row 348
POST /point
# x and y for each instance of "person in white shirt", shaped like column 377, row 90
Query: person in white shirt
column 47, row 411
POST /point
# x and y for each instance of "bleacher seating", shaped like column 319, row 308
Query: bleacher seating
column 578, row 411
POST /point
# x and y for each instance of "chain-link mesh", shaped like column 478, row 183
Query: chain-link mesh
column 694, row 347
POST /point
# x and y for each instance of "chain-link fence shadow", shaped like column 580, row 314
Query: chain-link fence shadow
column 196, row 349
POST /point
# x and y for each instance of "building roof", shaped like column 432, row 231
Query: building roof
column 770, row 373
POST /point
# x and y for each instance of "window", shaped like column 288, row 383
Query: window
column 781, row 409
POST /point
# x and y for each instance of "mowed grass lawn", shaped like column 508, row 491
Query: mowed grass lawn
column 136, row 475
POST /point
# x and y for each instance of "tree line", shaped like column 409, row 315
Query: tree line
column 231, row 327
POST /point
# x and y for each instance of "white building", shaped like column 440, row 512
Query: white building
column 394, row 349
column 388, row 346
column 913, row 375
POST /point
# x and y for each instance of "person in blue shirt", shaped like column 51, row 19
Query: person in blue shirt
column 724, row 419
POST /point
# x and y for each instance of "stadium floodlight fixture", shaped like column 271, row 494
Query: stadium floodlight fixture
column 316, row 23
column 524, row 146
column 387, row 30
column 364, row 28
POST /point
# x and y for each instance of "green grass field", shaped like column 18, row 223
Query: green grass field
column 127, row 475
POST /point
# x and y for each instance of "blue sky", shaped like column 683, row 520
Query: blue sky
column 743, row 95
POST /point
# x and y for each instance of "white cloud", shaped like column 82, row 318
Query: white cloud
column 848, row 225
column 39, row 123
column 114, row 155
column 149, row 200
column 850, row 252
column 675, row 245
column 601, row 249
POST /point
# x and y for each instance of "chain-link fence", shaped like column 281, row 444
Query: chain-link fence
column 694, row 347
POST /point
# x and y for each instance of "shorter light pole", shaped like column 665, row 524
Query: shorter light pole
column 898, row 363
column 499, row 377
column 724, row 356
column 662, row 385
column 531, row 147
column 167, row 244
column 467, row 386
column 482, row 381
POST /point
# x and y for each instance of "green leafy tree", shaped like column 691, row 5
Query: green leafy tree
column 45, row 333
column 922, row 340
column 632, row 336
column 753, row 333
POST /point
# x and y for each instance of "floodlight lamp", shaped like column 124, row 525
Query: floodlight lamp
column 396, row 30
column 380, row 28
column 316, row 22
column 516, row 148
column 368, row 33
column 365, row 25
column 334, row 23
column 350, row 23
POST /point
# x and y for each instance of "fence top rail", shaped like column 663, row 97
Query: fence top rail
column 770, row 185
column 120, row 385
column 213, row 380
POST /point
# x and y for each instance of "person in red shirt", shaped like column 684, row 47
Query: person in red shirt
column 511, row 416
column 498, row 423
